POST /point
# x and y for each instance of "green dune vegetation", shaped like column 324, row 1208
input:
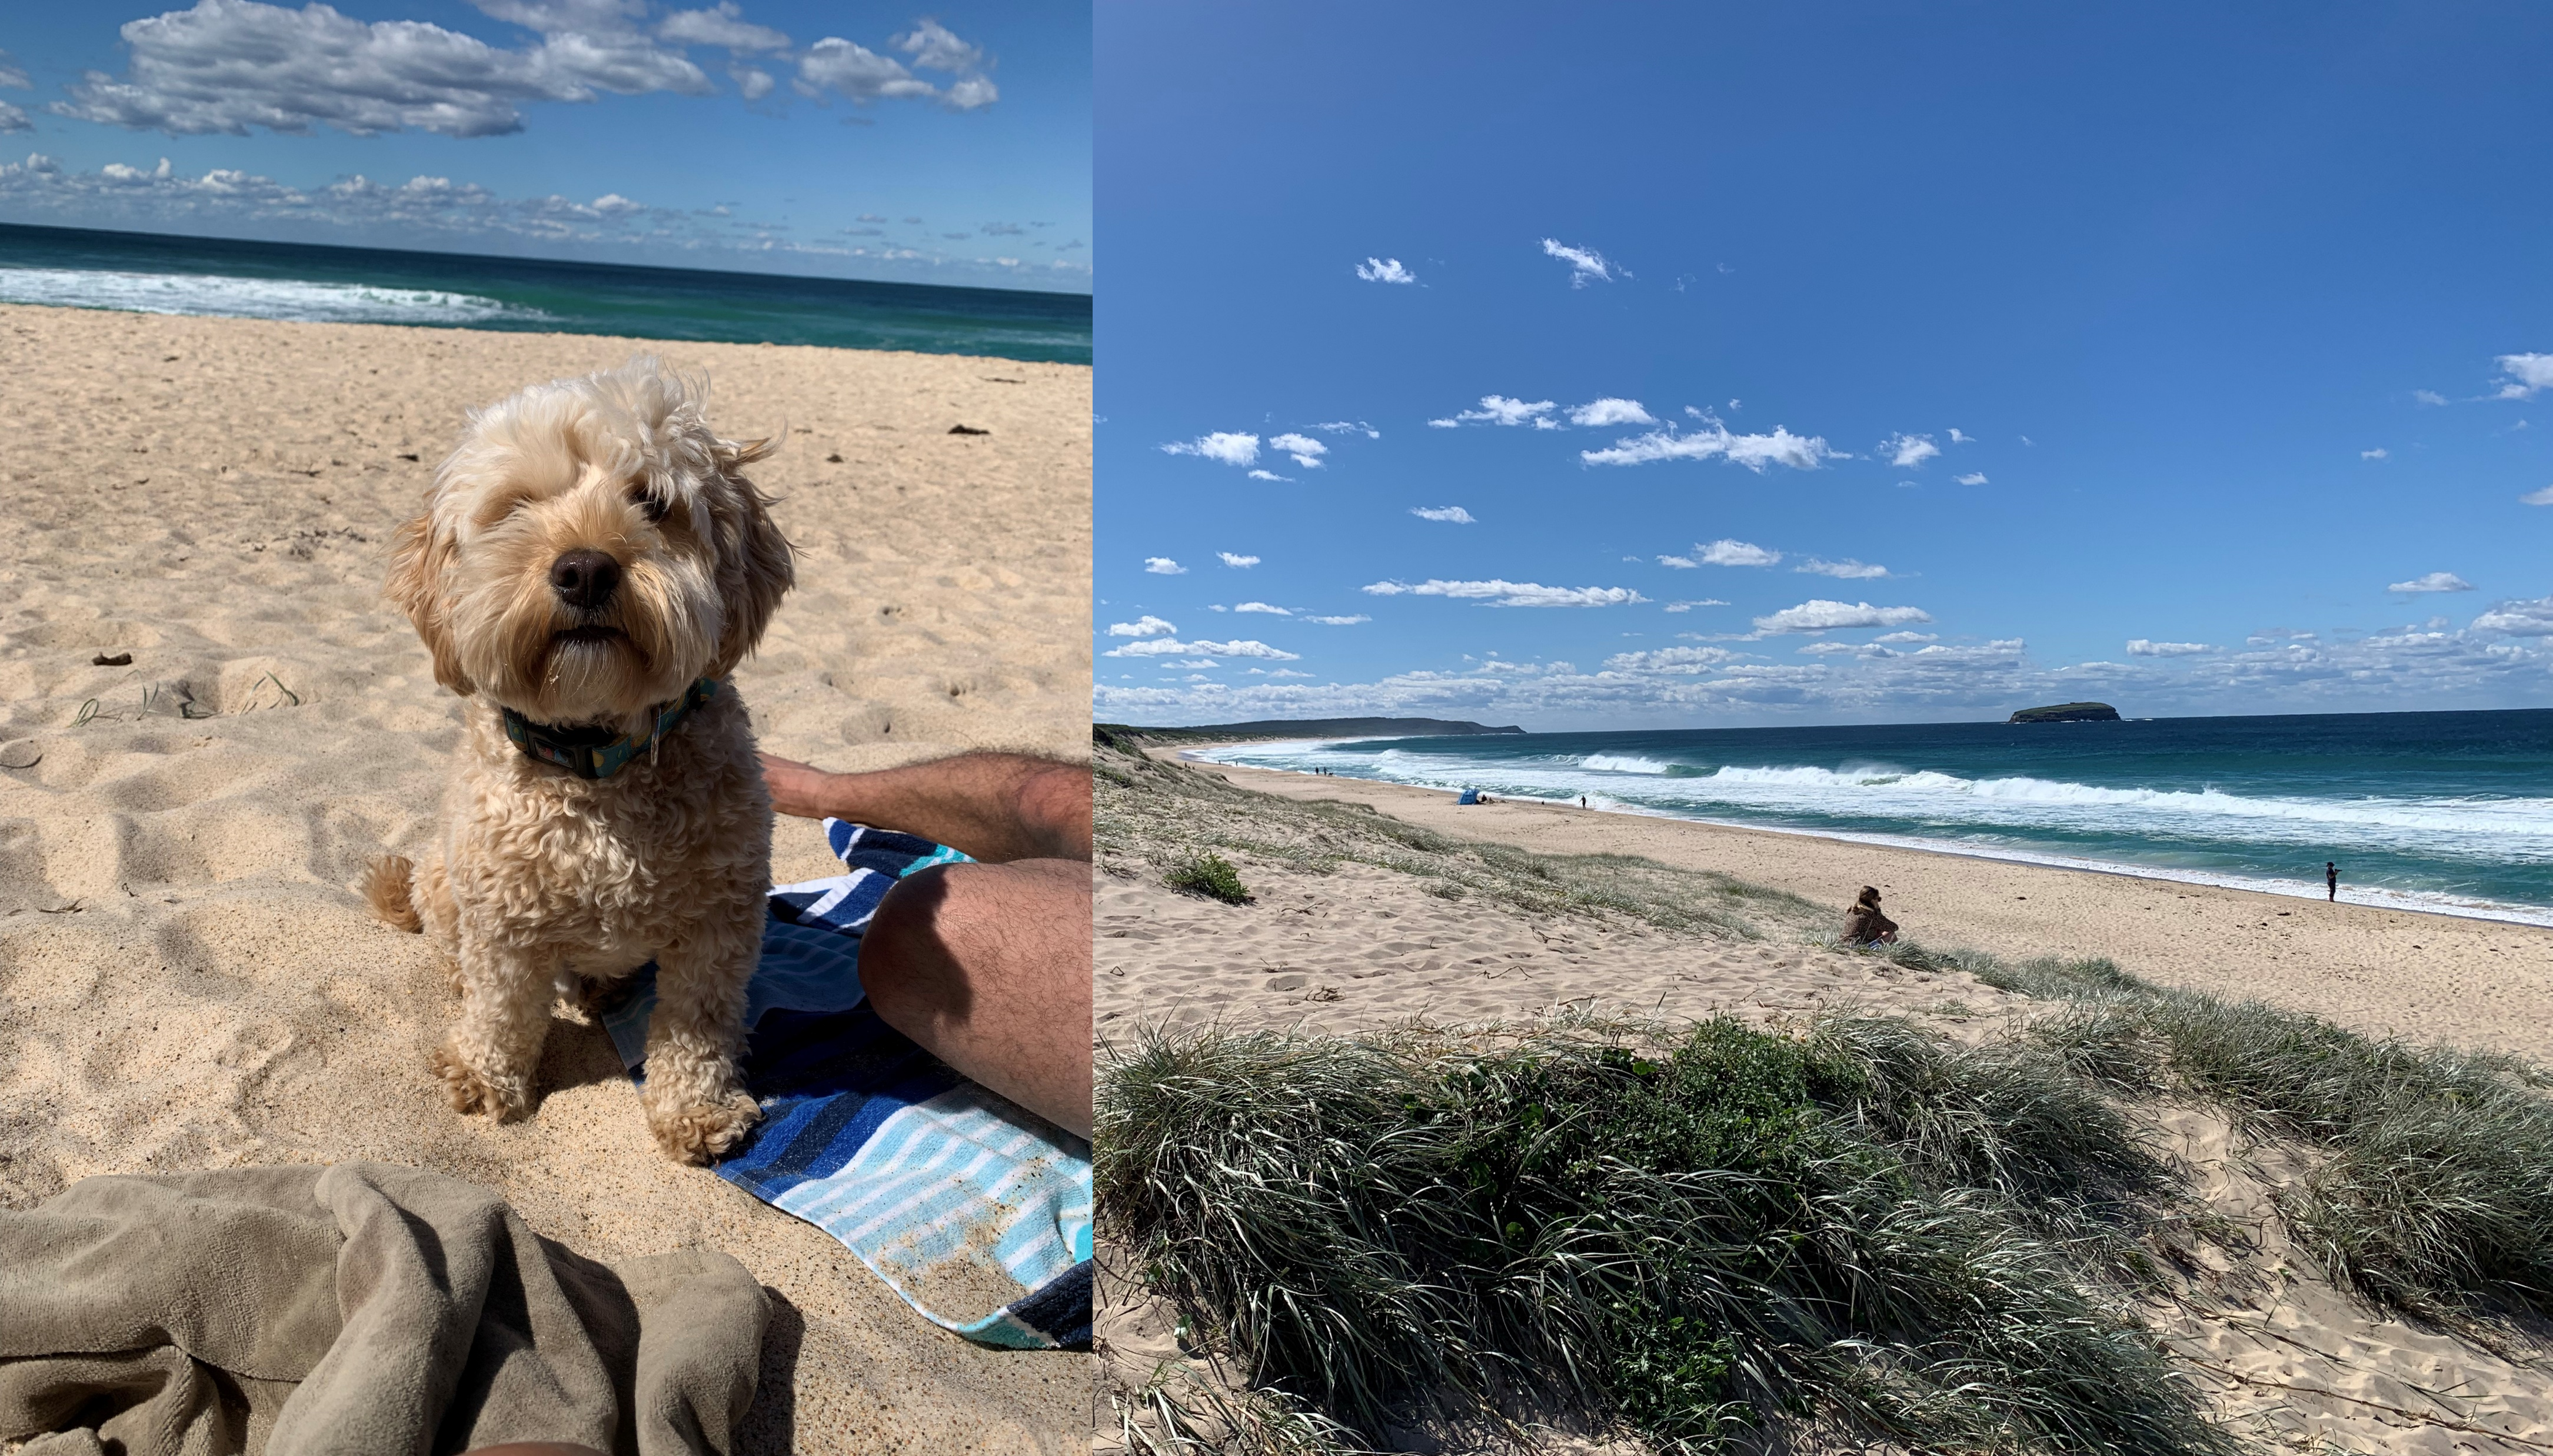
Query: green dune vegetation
column 1835, row 1232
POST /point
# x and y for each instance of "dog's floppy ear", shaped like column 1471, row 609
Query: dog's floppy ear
column 419, row 557
column 754, row 569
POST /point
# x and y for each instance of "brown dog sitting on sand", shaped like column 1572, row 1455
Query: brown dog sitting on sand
column 590, row 567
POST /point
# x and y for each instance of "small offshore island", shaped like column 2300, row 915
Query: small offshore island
column 2067, row 713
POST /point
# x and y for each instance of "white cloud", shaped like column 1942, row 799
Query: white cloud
column 865, row 75
column 2436, row 581
column 1847, row 569
column 1339, row 621
column 933, row 48
column 2522, row 374
column 2503, row 662
column 1263, row 607
column 1349, row 427
column 1229, row 559
column 1385, row 271
column 1173, row 647
column 1143, row 627
column 1688, row 606
column 14, row 119
column 1959, row 439
column 1895, row 638
column 1307, row 452
column 2530, row 618
column 1669, row 659
column 1163, row 566
column 724, row 26
column 227, row 66
column 1583, row 262
column 2429, row 396
column 1728, row 551
column 2140, row 647
column 1909, row 451
column 753, row 86
column 1972, row 478
column 13, row 76
column 2378, row 453
column 1822, row 615
column 1499, row 410
column 2537, row 498
column 1680, row 563
column 1444, row 424
column 1609, row 410
column 1454, row 513
column 1229, row 447
column 1754, row 452
column 1512, row 594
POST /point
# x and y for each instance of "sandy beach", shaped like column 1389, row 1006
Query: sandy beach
column 2382, row 971
column 1356, row 947
column 187, row 979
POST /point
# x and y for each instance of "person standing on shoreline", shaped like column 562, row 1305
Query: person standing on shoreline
column 2331, row 880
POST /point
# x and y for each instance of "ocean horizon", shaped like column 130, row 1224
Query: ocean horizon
column 2438, row 811
column 158, row 273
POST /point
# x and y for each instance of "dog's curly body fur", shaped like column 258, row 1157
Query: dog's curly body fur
column 542, row 882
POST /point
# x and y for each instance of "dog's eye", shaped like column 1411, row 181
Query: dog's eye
column 646, row 500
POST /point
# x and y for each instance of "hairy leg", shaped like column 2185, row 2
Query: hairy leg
column 988, row 967
column 695, row 1096
column 487, row 1062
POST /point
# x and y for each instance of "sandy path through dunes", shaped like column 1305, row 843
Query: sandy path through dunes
column 2425, row 977
column 186, row 980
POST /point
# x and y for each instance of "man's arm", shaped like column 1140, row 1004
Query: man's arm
column 995, row 807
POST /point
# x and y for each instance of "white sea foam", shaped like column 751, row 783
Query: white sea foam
column 297, row 300
column 1878, row 789
column 2205, row 834
column 1623, row 763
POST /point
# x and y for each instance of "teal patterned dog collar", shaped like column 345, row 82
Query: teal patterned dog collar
column 596, row 752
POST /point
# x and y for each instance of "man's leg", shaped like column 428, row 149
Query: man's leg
column 988, row 967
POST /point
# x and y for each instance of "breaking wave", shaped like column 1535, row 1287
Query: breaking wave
column 295, row 300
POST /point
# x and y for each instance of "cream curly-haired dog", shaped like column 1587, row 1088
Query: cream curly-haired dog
column 590, row 567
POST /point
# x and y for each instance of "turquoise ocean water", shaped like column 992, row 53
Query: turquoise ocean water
column 156, row 274
column 2431, row 810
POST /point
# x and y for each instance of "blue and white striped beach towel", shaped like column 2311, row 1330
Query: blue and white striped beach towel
column 974, row 1210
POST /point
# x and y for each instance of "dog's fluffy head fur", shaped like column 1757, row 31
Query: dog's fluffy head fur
column 623, row 463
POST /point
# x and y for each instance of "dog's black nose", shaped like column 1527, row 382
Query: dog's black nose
column 585, row 579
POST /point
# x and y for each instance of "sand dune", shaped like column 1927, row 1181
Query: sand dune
column 187, row 981
column 2286, row 1356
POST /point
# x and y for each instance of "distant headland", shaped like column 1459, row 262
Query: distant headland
column 2067, row 713
column 1311, row 727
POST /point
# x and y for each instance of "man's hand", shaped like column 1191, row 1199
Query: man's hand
column 997, row 806
column 797, row 789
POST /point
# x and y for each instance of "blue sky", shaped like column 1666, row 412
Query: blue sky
column 949, row 145
column 2187, row 357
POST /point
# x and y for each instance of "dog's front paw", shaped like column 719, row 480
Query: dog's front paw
column 701, row 1133
column 469, row 1090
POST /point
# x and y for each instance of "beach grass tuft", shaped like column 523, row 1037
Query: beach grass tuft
column 2433, row 1191
column 1705, row 1237
column 1211, row 876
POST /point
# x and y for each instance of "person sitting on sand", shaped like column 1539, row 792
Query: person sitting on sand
column 986, row 965
column 1863, row 924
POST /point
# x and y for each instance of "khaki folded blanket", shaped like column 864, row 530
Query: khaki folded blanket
column 364, row 1309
